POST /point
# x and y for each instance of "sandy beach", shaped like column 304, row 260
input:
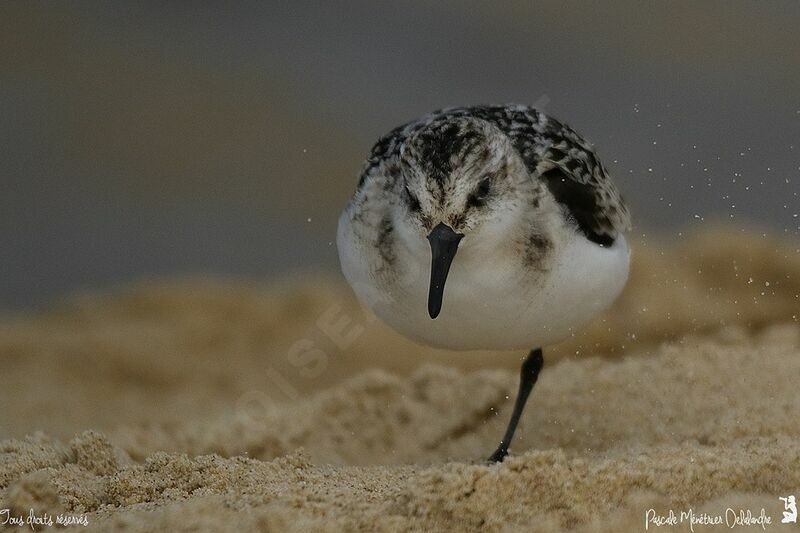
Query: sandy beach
column 210, row 405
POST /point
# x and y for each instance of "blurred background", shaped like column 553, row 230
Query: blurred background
column 161, row 139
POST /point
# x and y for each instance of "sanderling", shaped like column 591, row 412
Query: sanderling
column 524, row 203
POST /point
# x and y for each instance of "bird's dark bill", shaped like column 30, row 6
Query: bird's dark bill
column 444, row 245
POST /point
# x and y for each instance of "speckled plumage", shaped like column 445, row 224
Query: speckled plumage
column 552, row 151
column 541, row 222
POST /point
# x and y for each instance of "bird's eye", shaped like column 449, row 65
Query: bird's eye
column 478, row 197
column 412, row 201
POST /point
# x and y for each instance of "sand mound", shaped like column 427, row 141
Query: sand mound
column 223, row 406
column 695, row 421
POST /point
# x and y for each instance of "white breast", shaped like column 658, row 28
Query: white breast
column 490, row 300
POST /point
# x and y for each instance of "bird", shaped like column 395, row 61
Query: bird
column 487, row 227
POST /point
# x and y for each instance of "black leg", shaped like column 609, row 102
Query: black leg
column 527, row 379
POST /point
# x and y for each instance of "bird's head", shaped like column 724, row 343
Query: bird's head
column 458, row 175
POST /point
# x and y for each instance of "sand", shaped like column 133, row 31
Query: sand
column 201, row 404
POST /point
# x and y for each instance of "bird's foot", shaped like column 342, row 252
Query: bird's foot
column 499, row 454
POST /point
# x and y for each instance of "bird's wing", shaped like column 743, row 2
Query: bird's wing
column 567, row 164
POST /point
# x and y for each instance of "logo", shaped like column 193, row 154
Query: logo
column 729, row 519
column 790, row 514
